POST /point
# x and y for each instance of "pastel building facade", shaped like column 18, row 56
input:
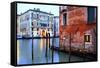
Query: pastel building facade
column 18, row 26
column 35, row 22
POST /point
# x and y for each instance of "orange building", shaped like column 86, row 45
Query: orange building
column 78, row 28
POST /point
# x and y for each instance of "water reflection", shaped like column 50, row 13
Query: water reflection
column 25, row 52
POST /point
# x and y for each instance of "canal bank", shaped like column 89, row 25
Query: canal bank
column 84, row 55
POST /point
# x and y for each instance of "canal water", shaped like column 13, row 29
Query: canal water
column 33, row 51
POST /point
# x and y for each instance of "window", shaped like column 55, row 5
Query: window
column 64, row 18
column 31, row 15
column 43, row 24
column 91, row 14
column 37, row 29
column 21, row 19
column 27, row 17
column 87, row 38
column 32, row 23
column 48, row 29
column 34, row 15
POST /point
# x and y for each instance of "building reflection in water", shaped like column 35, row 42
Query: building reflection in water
column 24, row 52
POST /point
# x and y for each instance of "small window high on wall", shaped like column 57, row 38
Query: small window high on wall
column 91, row 14
column 64, row 19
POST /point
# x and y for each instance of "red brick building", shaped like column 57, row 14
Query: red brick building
column 78, row 28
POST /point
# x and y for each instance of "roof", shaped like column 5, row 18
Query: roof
column 34, row 11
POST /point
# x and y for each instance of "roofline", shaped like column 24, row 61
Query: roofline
column 34, row 11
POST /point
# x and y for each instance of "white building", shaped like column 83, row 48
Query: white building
column 18, row 26
column 39, row 21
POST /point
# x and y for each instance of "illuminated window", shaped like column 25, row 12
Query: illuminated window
column 87, row 38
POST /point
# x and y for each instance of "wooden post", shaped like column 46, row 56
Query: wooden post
column 69, row 47
column 84, row 48
column 46, row 45
column 49, row 39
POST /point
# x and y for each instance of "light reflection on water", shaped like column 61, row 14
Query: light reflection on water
column 24, row 52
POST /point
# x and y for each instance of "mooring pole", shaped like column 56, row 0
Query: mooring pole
column 70, row 47
column 49, row 40
column 46, row 45
column 84, row 48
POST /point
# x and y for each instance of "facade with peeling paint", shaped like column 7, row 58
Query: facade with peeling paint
column 78, row 22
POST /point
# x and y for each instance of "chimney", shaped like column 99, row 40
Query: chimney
column 38, row 9
column 34, row 9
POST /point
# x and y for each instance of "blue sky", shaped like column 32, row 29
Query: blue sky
column 22, row 7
